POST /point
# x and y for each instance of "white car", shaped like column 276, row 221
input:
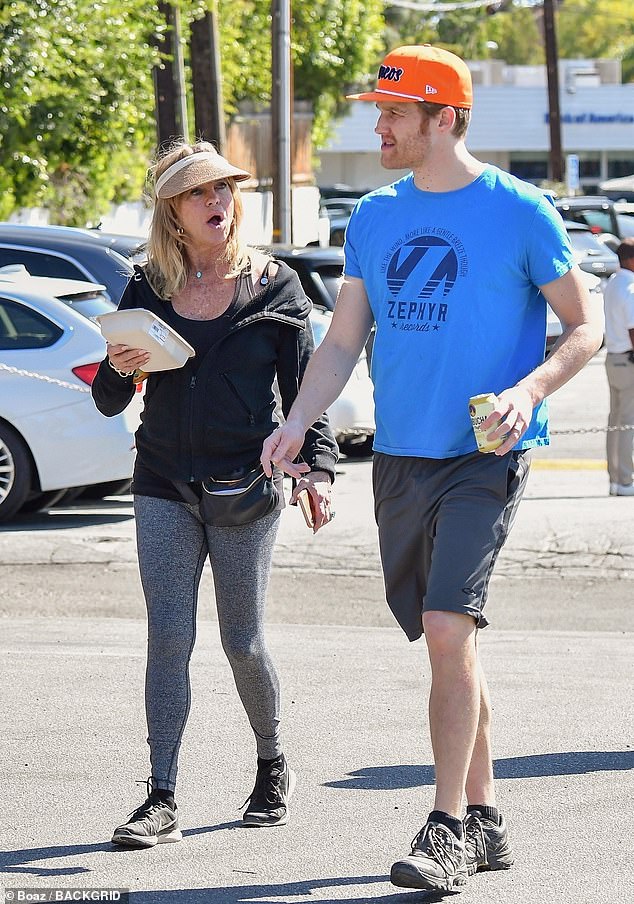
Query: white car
column 351, row 416
column 52, row 437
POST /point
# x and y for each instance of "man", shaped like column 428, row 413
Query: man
column 454, row 263
column 619, row 364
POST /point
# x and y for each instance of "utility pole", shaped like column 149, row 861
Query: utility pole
column 552, row 74
column 209, row 120
column 281, row 119
column 169, row 80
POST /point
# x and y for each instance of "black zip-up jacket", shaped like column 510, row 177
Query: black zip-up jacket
column 213, row 420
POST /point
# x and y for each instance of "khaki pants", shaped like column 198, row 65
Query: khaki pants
column 620, row 373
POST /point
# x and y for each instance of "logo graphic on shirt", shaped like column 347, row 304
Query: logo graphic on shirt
column 420, row 272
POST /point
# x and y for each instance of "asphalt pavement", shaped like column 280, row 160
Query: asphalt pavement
column 558, row 655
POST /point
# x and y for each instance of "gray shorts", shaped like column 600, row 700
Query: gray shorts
column 442, row 523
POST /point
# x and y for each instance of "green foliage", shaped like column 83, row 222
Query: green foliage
column 585, row 29
column 334, row 43
column 75, row 122
column 596, row 28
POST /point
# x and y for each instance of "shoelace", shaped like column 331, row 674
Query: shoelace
column 267, row 785
column 437, row 841
column 474, row 835
column 149, row 806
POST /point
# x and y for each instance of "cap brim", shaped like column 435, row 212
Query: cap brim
column 198, row 172
column 384, row 96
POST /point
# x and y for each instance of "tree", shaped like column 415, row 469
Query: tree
column 76, row 120
column 590, row 29
column 334, row 43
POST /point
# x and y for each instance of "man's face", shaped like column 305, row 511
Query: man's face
column 405, row 135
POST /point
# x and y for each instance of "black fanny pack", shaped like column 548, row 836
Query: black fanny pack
column 234, row 501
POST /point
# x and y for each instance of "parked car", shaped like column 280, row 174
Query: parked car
column 52, row 438
column 592, row 255
column 319, row 270
column 596, row 212
column 62, row 251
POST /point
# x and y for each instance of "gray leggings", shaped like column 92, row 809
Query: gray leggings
column 172, row 547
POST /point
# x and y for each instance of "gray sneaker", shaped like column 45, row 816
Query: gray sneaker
column 437, row 863
column 487, row 844
column 154, row 822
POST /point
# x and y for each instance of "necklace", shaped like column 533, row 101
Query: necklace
column 199, row 274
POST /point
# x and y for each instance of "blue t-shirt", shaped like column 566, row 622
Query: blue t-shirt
column 452, row 279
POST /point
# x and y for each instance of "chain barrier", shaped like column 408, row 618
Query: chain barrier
column 27, row 373
column 17, row 372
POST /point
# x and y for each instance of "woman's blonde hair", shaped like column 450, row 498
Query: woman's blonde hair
column 167, row 268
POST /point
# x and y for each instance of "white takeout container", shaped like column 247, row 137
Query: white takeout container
column 138, row 328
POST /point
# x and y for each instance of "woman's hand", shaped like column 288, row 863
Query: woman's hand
column 125, row 359
column 319, row 486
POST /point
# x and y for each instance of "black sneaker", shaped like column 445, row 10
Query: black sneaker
column 268, row 802
column 437, row 863
column 154, row 822
column 487, row 844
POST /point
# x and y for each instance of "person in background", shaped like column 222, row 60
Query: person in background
column 619, row 364
column 454, row 263
column 246, row 316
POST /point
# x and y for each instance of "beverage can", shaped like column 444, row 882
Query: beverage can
column 480, row 407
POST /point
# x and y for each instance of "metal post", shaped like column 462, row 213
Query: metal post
column 281, row 119
column 209, row 119
column 552, row 73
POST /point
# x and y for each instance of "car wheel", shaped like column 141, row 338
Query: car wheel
column 356, row 446
column 15, row 473
column 42, row 501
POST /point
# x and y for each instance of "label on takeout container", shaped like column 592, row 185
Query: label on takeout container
column 159, row 332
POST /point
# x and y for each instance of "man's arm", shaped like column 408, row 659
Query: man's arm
column 582, row 335
column 327, row 373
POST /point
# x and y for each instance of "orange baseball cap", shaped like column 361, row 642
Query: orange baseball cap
column 422, row 72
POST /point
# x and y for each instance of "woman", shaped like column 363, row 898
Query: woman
column 246, row 317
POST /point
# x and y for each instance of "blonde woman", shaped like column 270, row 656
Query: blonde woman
column 246, row 316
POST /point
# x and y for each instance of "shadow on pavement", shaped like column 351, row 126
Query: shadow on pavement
column 69, row 518
column 275, row 894
column 381, row 778
column 11, row 861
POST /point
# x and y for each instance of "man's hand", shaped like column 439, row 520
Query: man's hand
column 282, row 448
column 514, row 410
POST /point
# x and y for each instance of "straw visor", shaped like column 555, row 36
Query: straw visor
column 422, row 72
column 194, row 170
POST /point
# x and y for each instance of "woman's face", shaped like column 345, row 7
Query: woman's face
column 206, row 213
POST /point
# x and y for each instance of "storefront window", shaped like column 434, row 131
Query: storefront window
column 531, row 170
column 590, row 168
column 620, row 167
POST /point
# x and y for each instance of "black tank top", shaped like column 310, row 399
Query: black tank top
column 201, row 335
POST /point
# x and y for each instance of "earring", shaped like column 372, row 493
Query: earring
column 180, row 230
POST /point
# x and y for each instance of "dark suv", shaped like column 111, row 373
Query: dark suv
column 61, row 251
column 596, row 212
